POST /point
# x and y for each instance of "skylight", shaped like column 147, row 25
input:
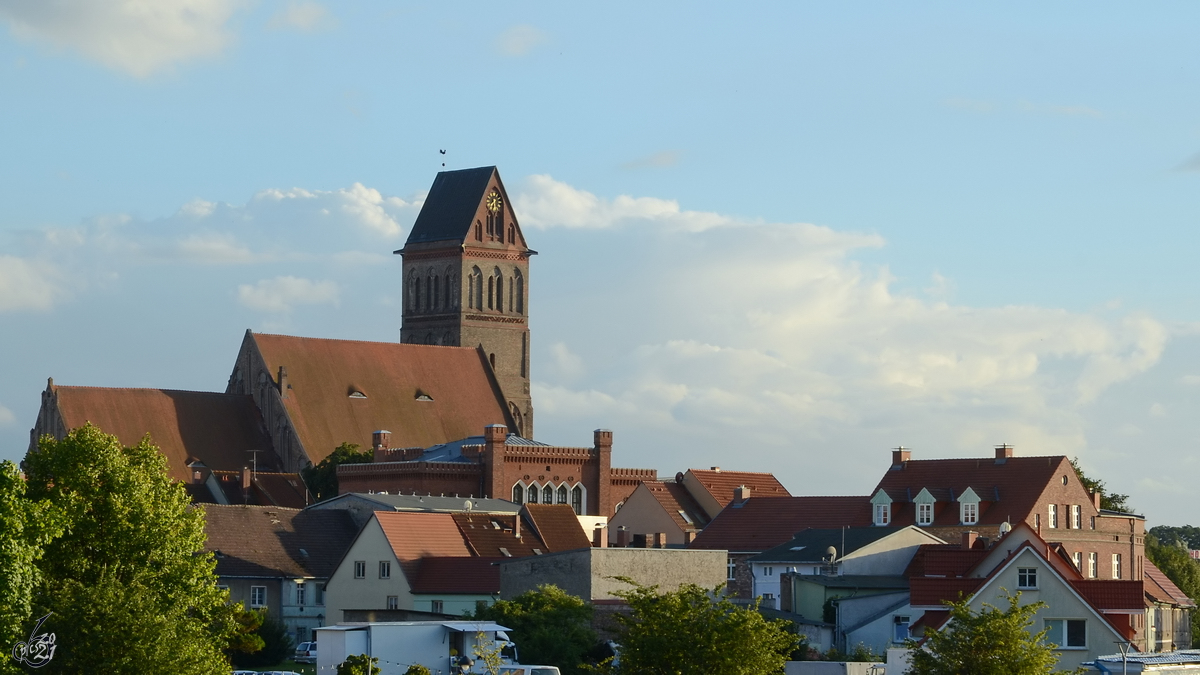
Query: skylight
column 357, row 394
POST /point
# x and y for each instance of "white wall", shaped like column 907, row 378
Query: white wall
column 344, row 592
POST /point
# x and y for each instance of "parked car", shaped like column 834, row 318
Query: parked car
column 306, row 652
column 529, row 670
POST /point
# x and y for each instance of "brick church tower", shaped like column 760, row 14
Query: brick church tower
column 466, row 280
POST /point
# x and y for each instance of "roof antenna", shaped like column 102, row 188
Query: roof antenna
column 254, row 460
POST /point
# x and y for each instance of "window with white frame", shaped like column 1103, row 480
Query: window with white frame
column 393, row 602
column 924, row 514
column 577, row 500
column 258, row 596
column 1027, row 578
column 534, row 492
column 360, row 569
column 768, row 571
column 1076, row 517
column 883, row 514
column 1067, row 633
column 1052, row 522
column 1116, row 565
column 1093, row 564
column 518, row 493
column 900, row 626
column 301, row 591
column 385, row 569
column 730, row 569
column 1079, row 561
column 548, row 494
column 436, row 606
column 968, row 507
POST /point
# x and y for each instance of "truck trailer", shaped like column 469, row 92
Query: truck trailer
column 437, row 645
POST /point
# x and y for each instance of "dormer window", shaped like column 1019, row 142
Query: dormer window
column 882, row 508
column 968, row 507
column 924, row 501
column 357, row 394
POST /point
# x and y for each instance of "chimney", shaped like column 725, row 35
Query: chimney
column 599, row 538
column 968, row 540
column 715, row 468
column 688, row 536
column 1096, row 499
column 246, row 484
column 741, row 494
column 900, row 455
column 660, row 540
column 283, row 383
column 622, row 537
column 381, row 441
column 517, row 526
column 1003, row 452
column 197, row 477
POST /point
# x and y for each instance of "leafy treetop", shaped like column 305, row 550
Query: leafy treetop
column 1108, row 501
column 322, row 478
column 550, row 626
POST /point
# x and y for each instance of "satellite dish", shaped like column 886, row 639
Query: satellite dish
column 467, row 506
column 679, row 477
column 832, row 553
column 1005, row 528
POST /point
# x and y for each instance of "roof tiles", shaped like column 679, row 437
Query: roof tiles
column 677, row 501
column 721, row 484
column 557, row 526
column 414, row 535
column 473, row 575
column 276, row 541
column 761, row 523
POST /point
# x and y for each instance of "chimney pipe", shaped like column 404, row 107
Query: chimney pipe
column 660, row 540
column 622, row 537
column 283, row 383
column 517, row 526
column 1003, row 452
column 968, row 540
column 900, row 455
column 599, row 538
column 1096, row 499
column 741, row 494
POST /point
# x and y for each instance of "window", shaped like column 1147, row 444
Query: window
column 1052, row 522
column 533, row 494
column 1076, row 517
column 320, row 594
column 1067, row 633
column 547, row 495
column 301, row 591
column 393, row 602
column 924, row 514
column 1079, row 561
column 1093, row 522
column 730, row 569
column 768, row 571
column 385, row 569
column 969, row 512
column 258, row 596
column 518, row 292
column 478, row 231
column 518, row 494
column 577, row 500
column 1027, row 577
column 499, row 289
column 436, row 606
column 360, row 569
column 561, row 495
column 1037, row 521
column 1116, row 566
column 883, row 514
column 900, row 628
column 1092, row 565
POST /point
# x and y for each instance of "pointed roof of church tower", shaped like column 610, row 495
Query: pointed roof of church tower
column 450, row 208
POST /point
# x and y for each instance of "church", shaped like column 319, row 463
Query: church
column 446, row 410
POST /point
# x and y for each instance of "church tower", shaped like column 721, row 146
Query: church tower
column 466, row 280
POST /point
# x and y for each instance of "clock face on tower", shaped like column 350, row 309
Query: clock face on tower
column 494, row 202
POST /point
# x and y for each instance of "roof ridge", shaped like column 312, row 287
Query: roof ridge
column 254, row 506
column 368, row 342
column 982, row 459
column 760, row 473
column 158, row 389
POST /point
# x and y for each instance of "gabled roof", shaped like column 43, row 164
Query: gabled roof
column 271, row 541
column 932, row 591
column 414, row 502
column 721, row 484
column 458, row 575
column 220, row 430
column 761, row 523
column 860, row 581
column 266, row 489
column 1161, row 589
column 389, row 378
column 413, row 536
column 450, row 207
column 1009, row 489
column 677, row 501
column 1112, row 595
column 493, row 536
column 557, row 526
column 810, row 546
column 944, row 560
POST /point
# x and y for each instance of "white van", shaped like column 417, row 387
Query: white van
column 529, row 670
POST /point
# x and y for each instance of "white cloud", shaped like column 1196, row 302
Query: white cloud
column 213, row 248
column 7, row 418
column 302, row 16
column 282, row 293
column 519, row 40
column 136, row 36
column 29, row 284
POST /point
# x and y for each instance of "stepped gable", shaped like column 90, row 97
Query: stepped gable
column 272, row 541
column 218, row 430
column 343, row 390
column 761, row 523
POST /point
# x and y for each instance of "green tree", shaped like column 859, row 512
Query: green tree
column 485, row 650
column 990, row 642
column 247, row 639
column 1109, row 501
column 276, row 642
column 128, row 578
column 1186, row 536
column 360, row 664
column 417, row 669
column 322, row 478
column 698, row 631
column 550, row 626
column 1179, row 567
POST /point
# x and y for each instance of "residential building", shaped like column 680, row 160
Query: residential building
column 279, row 559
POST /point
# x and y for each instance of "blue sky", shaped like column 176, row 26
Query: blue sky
column 780, row 237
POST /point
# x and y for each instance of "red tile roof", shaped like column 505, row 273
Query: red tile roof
column 274, row 541
column 220, row 430
column 1161, row 589
column 266, row 489
column 932, row 591
column 721, row 484
column 1112, row 594
column 323, row 373
column 473, row 576
column 675, row 498
column 944, row 560
column 557, row 526
column 761, row 523
column 1009, row 491
column 931, row 620
column 491, row 535
column 415, row 535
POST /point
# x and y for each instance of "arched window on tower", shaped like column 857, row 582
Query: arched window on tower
column 499, row 289
column 577, row 500
column 533, row 494
column 518, row 494
column 518, row 285
column 437, row 288
column 491, row 293
column 417, row 294
column 447, row 296
column 512, row 233
column 410, row 292
column 475, row 289
column 478, row 231
column 547, row 495
column 561, row 495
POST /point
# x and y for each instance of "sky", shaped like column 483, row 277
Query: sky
column 780, row 237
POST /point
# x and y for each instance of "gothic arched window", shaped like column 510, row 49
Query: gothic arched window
column 436, row 287
column 478, row 231
column 518, row 494
column 547, row 495
column 475, row 289
column 495, row 217
column 417, row 294
column 499, row 289
column 577, row 500
column 518, row 285
column 533, row 494
column 447, row 296
column 562, row 495
column 512, row 233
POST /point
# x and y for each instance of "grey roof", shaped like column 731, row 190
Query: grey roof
column 450, row 206
column 862, row 581
column 452, row 451
column 1180, row 657
column 398, row 502
column 809, row 546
